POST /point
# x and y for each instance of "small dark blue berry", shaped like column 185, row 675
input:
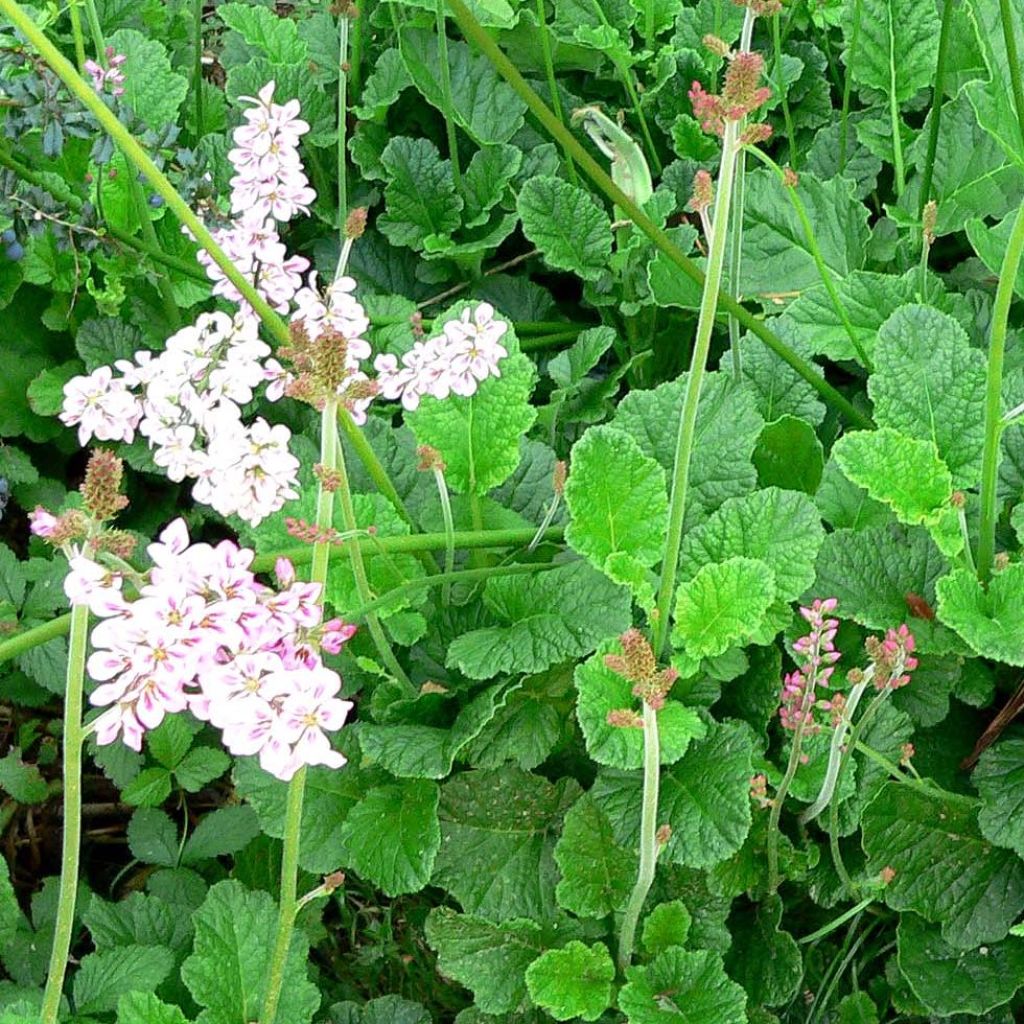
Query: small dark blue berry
column 156, row 201
column 15, row 251
column 9, row 236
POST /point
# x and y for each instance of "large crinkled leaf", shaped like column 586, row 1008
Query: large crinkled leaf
column 416, row 751
column 728, row 426
column 540, row 620
column 907, row 474
column 896, row 47
column 102, row 978
column 972, row 176
column 682, row 987
column 705, row 799
column 489, row 959
column 600, row 691
column 873, row 572
column 722, row 605
column 764, row 958
column 229, row 966
column 949, row 980
column 482, row 103
column 991, row 621
column 617, row 499
column 777, row 388
column 392, row 836
column 151, row 88
column 420, row 195
column 1000, row 781
column 503, row 824
column 145, row 1008
column 945, row 870
column 275, row 38
column 574, row 982
column 567, row 224
column 776, row 256
column 780, row 528
column 789, row 455
column 597, row 873
column 929, row 383
column 383, row 87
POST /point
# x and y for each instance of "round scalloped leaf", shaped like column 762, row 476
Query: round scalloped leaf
column 1000, row 781
column 572, row 982
column 668, row 924
column 992, row 621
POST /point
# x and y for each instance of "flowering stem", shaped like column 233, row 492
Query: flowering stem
column 288, row 902
column 131, row 148
column 993, row 407
column 446, row 95
column 844, row 116
column 348, row 514
column 449, row 532
column 1006, row 17
column 781, row 86
column 76, row 32
column 694, row 381
column 835, row 752
column 782, row 792
column 549, row 70
column 938, row 97
column 819, row 260
column 72, row 835
column 197, row 65
column 837, row 922
column 894, row 115
column 833, row 811
column 593, row 170
column 648, row 838
column 319, row 565
column 343, row 26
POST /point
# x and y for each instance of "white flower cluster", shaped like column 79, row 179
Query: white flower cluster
column 456, row 361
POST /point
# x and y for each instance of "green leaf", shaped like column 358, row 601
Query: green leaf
column 10, row 912
column 949, row 980
column 485, row 180
column 857, row 1008
column 524, row 730
column 222, row 831
column 929, row 383
column 678, row 987
column 199, row 767
column 896, row 48
column 763, row 958
column 153, row 837
column 775, row 248
column 572, row 982
column 777, row 388
column 482, row 103
column 777, row 527
column 150, row 788
column 872, row 571
column 140, row 918
column 420, row 194
column 844, row 505
column 789, row 455
column 151, row 88
column 275, row 38
column 617, row 500
column 567, row 224
column 597, row 873
column 668, row 924
column 104, row 977
column 905, row 473
column 503, row 822
column 991, row 621
column 945, row 870
column 392, row 836
column 22, row 781
column 382, row 89
column 990, row 241
column 1000, row 781
column 728, row 426
column 489, row 959
column 541, row 619
column 292, row 82
column 705, row 799
column 478, row 437
column 169, row 742
column 228, row 969
column 600, row 691
column 46, row 392
column 722, row 605
column 145, row 1008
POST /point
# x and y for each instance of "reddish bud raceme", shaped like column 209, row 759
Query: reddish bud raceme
column 818, row 658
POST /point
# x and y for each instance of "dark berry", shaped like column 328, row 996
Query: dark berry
column 9, row 236
column 156, row 201
column 15, row 251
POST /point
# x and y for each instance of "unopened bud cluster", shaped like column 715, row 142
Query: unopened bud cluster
column 818, row 658
column 638, row 664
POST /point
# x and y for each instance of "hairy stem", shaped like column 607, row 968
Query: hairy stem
column 1006, row 16
column 71, row 840
column 446, row 96
column 449, row 532
column 844, row 116
column 894, row 114
column 648, row 838
column 783, row 791
column 695, row 379
column 343, row 27
column 549, row 71
column 993, row 404
column 783, row 92
column 938, row 98
column 474, row 31
column 76, row 33
column 197, row 65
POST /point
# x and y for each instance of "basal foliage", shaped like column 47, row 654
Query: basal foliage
column 595, row 770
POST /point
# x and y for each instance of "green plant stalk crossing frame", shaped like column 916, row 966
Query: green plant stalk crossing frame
column 475, row 32
column 938, row 98
column 993, row 399
column 71, row 840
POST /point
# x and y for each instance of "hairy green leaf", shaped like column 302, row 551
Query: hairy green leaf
column 574, row 982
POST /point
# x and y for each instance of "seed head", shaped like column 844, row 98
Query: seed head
column 102, row 485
